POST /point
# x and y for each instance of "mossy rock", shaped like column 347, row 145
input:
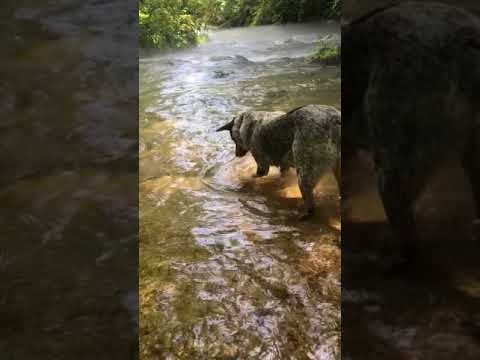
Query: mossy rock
column 327, row 56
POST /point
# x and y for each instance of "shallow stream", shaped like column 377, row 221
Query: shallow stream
column 226, row 269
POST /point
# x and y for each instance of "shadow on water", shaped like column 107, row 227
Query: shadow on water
column 226, row 269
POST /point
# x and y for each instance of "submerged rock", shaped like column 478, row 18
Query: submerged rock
column 239, row 59
column 220, row 58
column 220, row 74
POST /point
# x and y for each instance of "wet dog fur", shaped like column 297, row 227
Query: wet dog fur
column 307, row 138
column 410, row 98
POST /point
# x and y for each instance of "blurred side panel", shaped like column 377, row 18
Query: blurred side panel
column 410, row 176
column 69, row 179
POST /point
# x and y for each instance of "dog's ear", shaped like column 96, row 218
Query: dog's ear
column 227, row 127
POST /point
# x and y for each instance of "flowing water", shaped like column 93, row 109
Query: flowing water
column 227, row 271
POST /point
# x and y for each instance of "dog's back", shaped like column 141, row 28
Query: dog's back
column 317, row 126
column 309, row 129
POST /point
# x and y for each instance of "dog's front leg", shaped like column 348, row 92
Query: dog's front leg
column 262, row 170
column 263, row 165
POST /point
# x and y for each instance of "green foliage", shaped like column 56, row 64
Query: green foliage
column 169, row 23
column 213, row 11
column 327, row 55
column 259, row 12
column 176, row 23
column 332, row 9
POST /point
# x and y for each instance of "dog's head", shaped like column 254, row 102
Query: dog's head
column 241, row 129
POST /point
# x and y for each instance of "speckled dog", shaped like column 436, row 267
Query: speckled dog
column 410, row 85
column 307, row 138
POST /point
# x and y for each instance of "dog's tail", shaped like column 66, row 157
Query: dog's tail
column 297, row 108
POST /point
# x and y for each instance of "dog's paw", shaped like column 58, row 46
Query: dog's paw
column 262, row 171
column 260, row 174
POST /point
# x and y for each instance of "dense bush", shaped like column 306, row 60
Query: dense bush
column 169, row 23
column 258, row 12
column 331, row 9
column 176, row 23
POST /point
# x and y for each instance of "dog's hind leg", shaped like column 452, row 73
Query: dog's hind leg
column 306, row 188
column 308, row 177
column 398, row 204
column 399, row 186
